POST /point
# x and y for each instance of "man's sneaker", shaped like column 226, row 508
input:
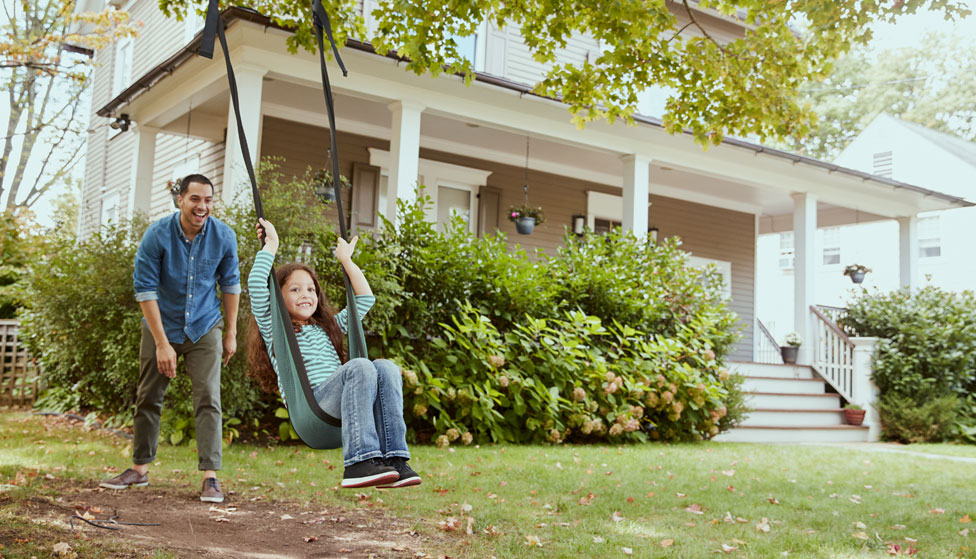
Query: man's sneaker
column 408, row 477
column 211, row 491
column 369, row 472
column 128, row 478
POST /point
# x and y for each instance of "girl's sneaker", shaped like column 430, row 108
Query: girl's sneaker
column 369, row 472
column 408, row 477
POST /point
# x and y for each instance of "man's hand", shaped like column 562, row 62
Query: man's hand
column 166, row 360
column 230, row 346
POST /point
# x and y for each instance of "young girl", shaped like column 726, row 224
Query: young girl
column 367, row 396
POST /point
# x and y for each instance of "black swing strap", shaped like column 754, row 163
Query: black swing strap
column 215, row 27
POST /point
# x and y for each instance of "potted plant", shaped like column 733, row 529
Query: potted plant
column 854, row 414
column 792, row 342
column 856, row 272
column 526, row 218
column 325, row 187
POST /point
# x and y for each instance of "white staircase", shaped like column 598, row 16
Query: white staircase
column 790, row 404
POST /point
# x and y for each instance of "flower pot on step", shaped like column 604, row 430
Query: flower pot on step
column 525, row 225
column 789, row 353
column 854, row 417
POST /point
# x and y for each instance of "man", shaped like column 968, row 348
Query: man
column 180, row 261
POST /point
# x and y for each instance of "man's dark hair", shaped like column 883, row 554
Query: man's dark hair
column 185, row 183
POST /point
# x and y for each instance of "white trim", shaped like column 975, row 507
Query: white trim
column 429, row 168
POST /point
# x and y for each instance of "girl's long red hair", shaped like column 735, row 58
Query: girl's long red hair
column 260, row 368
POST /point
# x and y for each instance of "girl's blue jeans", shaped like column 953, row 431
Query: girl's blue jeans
column 368, row 397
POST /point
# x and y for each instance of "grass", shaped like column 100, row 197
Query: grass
column 684, row 501
column 966, row 451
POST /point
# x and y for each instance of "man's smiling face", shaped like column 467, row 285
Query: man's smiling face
column 195, row 205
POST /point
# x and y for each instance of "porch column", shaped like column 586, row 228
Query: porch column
column 404, row 155
column 908, row 251
column 804, row 263
column 250, row 82
column 141, row 172
column 635, row 194
column 864, row 392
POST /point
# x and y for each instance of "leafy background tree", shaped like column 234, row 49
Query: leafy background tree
column 744, row 87
column 932, row 83
column 45, row 75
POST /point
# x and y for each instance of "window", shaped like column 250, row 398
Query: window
column 110, row 209
column 831, row 246
column 929, row 237
column 603, row 226
column 786, row 250
column 122, row 76
column 193, row 24
column 883, row 164
column 724, row 269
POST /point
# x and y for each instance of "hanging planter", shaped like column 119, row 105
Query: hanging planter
column 325, row 186
column 856, row 272
column 526, row 218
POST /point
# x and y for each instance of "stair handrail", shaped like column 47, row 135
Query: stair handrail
column 833, row 354
column 767, row 350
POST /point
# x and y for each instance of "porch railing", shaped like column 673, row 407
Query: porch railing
column 767, row 350
column 833, row 354
column 19, row 378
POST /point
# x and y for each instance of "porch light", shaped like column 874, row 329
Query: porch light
column 652, row 234
column 121, row 123
column 579, row 224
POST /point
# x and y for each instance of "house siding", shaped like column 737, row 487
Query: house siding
column 171, row 151
column 706, row 231
column 159, row 37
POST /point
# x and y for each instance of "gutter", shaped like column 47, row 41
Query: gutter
column 230, row 15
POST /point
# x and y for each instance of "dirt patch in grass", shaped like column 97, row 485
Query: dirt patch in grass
column 235, row 528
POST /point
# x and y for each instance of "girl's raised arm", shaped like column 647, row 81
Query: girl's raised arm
column 343, row 252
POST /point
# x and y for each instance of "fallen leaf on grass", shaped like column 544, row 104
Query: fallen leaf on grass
column 729, row 473
column 964, row 532
column 287, row 517
column 727, row 549
column 221, row 519
column 666, row 543
column 598, row 539
column 469, row 530
column 937, row 511
column 491, row 530
column 617, row 517
column 898, row 527
column 63, row 550
column 856, row 499
column 627, row 550
column 310, row 539
column 965, row 519
column 860, row 535
column 763, row 525
column 587, row 499
column 448, row 525
column 694, row 509
column 533, row 541
column 774, row 500
column 860, row 525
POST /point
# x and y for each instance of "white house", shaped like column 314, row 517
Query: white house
column 467, row 144
column 906, row 152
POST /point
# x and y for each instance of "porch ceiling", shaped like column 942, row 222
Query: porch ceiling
column 491, row 121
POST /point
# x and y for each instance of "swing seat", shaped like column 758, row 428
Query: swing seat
column 314, row 427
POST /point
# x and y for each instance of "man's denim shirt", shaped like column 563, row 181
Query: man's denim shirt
column 183, row 276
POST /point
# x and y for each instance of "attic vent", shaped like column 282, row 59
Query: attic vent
column 882, row 164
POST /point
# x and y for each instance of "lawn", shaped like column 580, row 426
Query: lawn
column 688, row 501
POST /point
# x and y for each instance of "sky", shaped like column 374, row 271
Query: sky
column 887, row 36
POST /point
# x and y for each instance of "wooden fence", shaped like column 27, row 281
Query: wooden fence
column 20, row 379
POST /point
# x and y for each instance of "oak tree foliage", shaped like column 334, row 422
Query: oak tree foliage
column 744, row 87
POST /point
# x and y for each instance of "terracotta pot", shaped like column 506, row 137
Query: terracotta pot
column 524, row 225
column 854, row 417
column 789, row 353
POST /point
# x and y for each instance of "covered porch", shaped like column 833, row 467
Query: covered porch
column 475, row 148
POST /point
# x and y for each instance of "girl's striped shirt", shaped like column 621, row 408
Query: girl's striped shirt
column 321, row 359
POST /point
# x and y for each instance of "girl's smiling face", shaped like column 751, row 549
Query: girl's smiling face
column 300, row 296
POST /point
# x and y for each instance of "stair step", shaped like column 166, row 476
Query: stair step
column 784, row 385
column 834, row 434
column 771, row 417
column 750, row 369
column 790, row 400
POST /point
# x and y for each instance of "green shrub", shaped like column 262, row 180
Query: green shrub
column 926, row 357
column 906, row 421
column 562, row 379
